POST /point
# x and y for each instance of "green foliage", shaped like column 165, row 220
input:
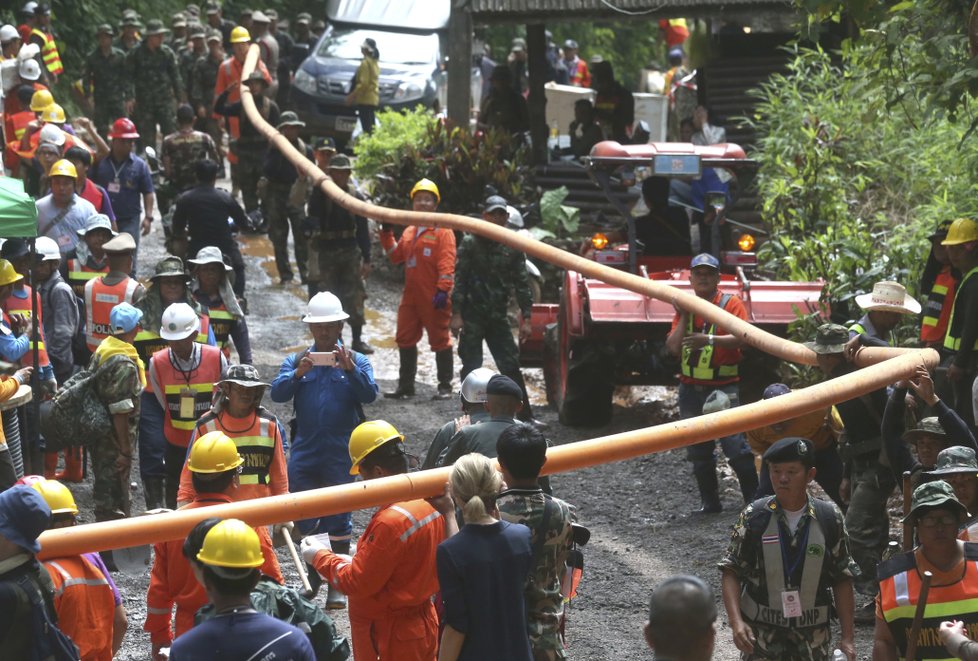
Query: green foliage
column 407, row 148
column 556, row 220
column 850, row 184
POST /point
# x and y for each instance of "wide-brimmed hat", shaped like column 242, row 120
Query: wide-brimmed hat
column 829, row 338
column 289, row 118
column 169, row 266
column 209, row 255
column 926, row 427
column 244, row 375
column 98, row 221
column 955, row 459
column 340, row 162
column 937, row 493
column 889, row 296
column 154, row 26
column 256, row 76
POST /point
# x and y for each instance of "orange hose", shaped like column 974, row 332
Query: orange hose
column 572, row 456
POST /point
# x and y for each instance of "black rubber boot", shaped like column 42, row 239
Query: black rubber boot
column 358, row 343
column 746, row 472
column 709, row 486
column 445, row 364
column 336, row 600
column 153, row 492
column 409, row 369
column 315, row 582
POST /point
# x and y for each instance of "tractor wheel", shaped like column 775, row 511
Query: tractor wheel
column 576, row 374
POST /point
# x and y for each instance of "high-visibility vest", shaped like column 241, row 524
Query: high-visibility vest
column 85, row 605
column 148, row 342
column 187, row 395
column 936, row 314
column 951, row 341
column 900, row 589
column 701, row 367
column 49, row 52
column 80, row 273
column 222, row 322
column 19, row 121
column 100, row 298
column 256, row 445
column 22, row 307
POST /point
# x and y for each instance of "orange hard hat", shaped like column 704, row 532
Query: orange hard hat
column 123, row 128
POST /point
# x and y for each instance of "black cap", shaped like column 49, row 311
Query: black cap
column 325, row 143
column 494, row 202
column 792, row 448
column 14, row 248
column 503, row 385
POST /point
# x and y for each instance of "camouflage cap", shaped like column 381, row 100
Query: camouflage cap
column 131, row 22
column 829, row 338
column 193, row 10
column 272, row 15
column 212, row 8
column 214, row 35
column 130, row 13
column 934, row 494
column 105, row 28
column 244, row 375
column 926, row 427
column 196, row 30
column 303, row 17
column 955, row 459
column 178, row 20
column 168, row 266
column 154, row 27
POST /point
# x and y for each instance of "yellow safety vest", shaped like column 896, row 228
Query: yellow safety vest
column 702, row 369
column 950, row 341
column 49, row 52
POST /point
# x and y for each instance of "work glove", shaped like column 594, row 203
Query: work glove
column 312, row 545
column 277, row 539
column 440, row 300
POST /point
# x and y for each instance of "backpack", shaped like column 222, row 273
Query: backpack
column 75, row 415
column 48, row 642
column 285, row 604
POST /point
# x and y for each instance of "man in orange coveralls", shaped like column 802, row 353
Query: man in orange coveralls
column 391, row 613
column 214, row 462
column 428, row 255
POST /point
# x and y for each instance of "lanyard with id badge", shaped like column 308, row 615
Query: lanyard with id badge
column 791, row 598
column 188, row 397
column 115, row 185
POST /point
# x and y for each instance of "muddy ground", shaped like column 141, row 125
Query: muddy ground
column 638, row 511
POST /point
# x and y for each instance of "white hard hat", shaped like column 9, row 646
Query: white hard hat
column 474, row 385
column 29, row 8
column 515, row 217
column 8, row 33
column 46, row 248
column 323, row 308
column 30, row 70
column 178, row 322
column 53, row 134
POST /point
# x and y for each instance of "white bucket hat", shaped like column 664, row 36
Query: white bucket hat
column 888, row 296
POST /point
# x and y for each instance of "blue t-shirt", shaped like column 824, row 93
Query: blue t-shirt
column 482, row 572
column 240, row 636
column 126, row 184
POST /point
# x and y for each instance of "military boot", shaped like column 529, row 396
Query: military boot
column 409, row 369
column 444, row 361
column 709, row 486
column 153, row 492
column 746, row 472
column 358, row 343
column 336, row 600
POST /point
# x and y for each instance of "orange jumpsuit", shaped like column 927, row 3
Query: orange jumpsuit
column 428, row 255
column 391, row 612
column 85, row 605
column 171, row 581
column 229, row 73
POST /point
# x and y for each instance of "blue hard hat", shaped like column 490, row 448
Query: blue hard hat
column 705, row 259
column 24, row 515
column 124, row 318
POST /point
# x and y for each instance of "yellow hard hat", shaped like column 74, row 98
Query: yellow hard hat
column 367, row 437
column 63, row 168
column 54, row 114
column 240, row 35
column 214, row 452
column 57, row 496
column 41, row 100
column 231, row 543
column 427, row 185
column 962, row 230
column 8, row 275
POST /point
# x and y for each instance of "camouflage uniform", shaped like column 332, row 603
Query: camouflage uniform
column 188, row 58
column 281, row 212
column 106, row 82
column 156, row 87
column 117, row 386
column 745, row 559
column 182, row 150
column 479, row 438
column 203, row 78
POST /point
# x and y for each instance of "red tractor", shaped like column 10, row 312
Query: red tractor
column 600, row 336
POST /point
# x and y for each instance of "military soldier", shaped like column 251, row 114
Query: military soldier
column 129, row 38
column 485, row 272
column 203, row 77
column 177, row 39
column 157, row 87
column 503, row 401
column 522, row 452
column 339, row 250
column 104, row 80
column 216, row 22
column 284, row 205
column 473, row 397
column 181, row 152
column 196, row 49
column 787, row 565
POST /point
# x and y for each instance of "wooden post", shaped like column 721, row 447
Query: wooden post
column 459, row 63
column 536, row 53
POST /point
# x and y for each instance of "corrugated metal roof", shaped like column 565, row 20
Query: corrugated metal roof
column 562, row 10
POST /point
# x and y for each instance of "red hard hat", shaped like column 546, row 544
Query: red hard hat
column 123, row 128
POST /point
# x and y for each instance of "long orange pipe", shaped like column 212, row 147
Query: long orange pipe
column 572, row 456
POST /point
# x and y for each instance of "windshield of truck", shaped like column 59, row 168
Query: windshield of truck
column 394, row 47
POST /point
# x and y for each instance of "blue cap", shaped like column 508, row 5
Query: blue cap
column 24, row 515
column 775, row 390
column 124, row 318
column 705, row 259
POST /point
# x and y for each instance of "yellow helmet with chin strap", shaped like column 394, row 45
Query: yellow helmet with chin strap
column 426, row 185
column 8, row 275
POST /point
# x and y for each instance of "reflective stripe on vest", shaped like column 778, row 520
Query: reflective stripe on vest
column 958, row 601
column 222, row 322
column 937, row 308
column 79, row 274
column 950, row 341
column 255, row 445
column 771, row 613
column 857, row 328
column 703, row 369
column 22, row 307
column 100, row 298
column 202, row 334
column 148, row 343
column 933, row 305
column 49, row 53
column 177, row 424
